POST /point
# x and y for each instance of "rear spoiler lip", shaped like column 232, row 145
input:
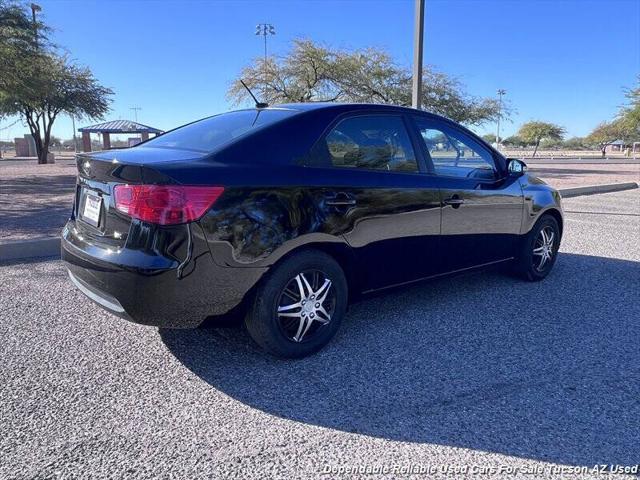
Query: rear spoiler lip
column 144, row 155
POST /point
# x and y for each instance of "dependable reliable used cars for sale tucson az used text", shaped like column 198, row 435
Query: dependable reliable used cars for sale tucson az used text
column 286, row 214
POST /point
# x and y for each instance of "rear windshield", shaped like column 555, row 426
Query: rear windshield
column 209, row 134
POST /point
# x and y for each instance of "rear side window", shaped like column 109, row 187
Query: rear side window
column 213, row 132
column 376, row 142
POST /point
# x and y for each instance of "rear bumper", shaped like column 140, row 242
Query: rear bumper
column 169, row 289
column 103, row 299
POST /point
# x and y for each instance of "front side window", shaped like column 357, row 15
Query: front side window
column 375, row 142
column 454, row 154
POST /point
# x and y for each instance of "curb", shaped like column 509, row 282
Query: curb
column 22, row 249
column 595, row 189
column 50, row 247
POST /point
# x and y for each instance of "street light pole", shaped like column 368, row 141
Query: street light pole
column 35, row 8
column 135, row 112
column 75, row 142
column 501, row 92
column 265, row 29
column 418, row 39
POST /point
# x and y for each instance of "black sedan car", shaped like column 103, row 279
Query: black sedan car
column 285, row 214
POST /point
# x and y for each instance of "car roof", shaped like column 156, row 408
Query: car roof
column 309, row 106
column 340, row 108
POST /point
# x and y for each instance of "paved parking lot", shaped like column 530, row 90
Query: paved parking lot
column 480, row 370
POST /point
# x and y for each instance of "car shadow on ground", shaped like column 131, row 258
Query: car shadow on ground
column 548, row 371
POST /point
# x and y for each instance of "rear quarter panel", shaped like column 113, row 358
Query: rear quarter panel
column 255, row 225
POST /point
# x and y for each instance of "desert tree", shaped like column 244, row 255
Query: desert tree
column 575, row 143
column 311, row 72
column 513, row 141
column 532, row 133
column 629, row 114
column 605, row 134
column 37, row 83
column 625, row 126
column 490, row 138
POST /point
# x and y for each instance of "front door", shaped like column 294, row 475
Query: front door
column 481, row 205
column 388, row 210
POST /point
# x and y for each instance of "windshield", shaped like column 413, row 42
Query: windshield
column 209, row 134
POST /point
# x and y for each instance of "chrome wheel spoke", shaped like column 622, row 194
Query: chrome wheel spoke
column 303, row 327
column 543, row 261
column 289, row 307
column 306, row 284
column 289, row 314
column 538, row 251
column 323, row 291
column 322, row 316
column 551, row 235
column 300, row 287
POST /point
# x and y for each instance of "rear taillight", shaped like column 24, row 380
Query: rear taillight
column 165, row 204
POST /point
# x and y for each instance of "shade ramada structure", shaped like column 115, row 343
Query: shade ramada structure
column 116, row 127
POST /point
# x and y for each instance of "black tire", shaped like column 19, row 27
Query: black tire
column 527, row 265
column 270, row 330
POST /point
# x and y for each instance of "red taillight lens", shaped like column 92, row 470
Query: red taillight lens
column 165, row 204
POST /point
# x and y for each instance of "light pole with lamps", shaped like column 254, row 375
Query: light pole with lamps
column 265, row 29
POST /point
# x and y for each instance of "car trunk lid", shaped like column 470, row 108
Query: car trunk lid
column 97, row 219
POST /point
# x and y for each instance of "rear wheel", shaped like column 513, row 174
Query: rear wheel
column 299, row 307
column 539, row 250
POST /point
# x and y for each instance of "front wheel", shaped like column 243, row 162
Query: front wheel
column 299, row 307
column 539, row 250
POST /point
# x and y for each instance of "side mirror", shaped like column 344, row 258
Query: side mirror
column 516, row 167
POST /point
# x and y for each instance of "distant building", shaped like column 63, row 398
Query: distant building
column 617, row 146
column 116, row 127
column 25, row 147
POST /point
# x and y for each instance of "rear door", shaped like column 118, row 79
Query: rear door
column 481, row 205
column 377, row 195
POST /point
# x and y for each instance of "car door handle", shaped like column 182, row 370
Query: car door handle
column 454, row 201
column 340, row 200
column 341, row 203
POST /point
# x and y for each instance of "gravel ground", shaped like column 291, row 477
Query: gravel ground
column 481, row 370
column 569, row 175
column 35, row 200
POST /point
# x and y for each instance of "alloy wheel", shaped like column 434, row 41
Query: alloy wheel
column 306, row 305
column 543, row 248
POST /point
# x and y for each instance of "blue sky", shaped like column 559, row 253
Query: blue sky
column 560, row 61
